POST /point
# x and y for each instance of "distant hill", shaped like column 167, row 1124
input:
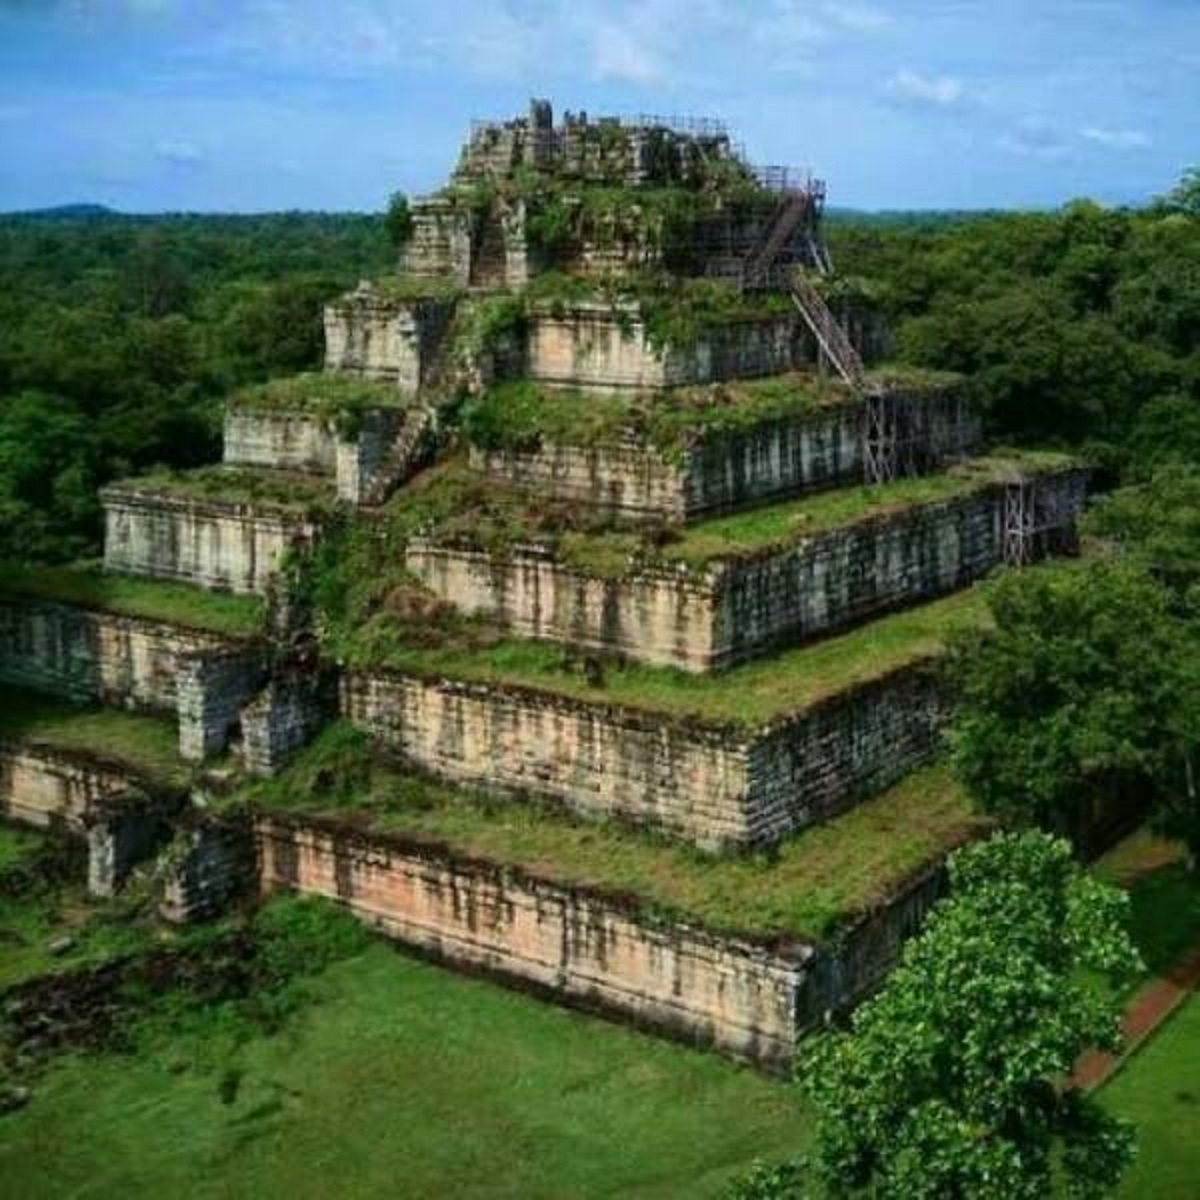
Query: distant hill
column 64, row 212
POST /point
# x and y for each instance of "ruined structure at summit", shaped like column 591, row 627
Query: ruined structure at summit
column 603, row 542
column 609, row 196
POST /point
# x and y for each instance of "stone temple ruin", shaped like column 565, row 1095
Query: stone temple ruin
column 649, row 563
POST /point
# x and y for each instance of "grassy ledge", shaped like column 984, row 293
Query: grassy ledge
column 325, row 395
column 522, row 415
column 238, row 485
column 453, row 505
column 807, row 887
column 748, row 696
column 85, row 585
column 148, row 745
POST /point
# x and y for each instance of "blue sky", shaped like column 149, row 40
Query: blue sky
column 266, row 104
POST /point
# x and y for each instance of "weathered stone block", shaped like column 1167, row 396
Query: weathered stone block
column 285, row 715
column 709, row 783
column 730, row 468
column 591, row 346
column 710, row 617
column 223, row 544
column 84, row 654
column 582, row 948
column 372, row 335
column 588, row 948
column 213, row 688
column 210, row 863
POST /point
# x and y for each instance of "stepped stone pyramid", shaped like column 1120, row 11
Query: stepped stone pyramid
column 643, row 572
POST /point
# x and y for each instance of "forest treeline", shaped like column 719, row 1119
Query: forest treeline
column 119, row 336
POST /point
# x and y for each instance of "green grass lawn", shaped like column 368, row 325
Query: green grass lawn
column 149, row 744
column 1164, row 897
column 85, row 585
column 1158, row 1089
column 398, row 1080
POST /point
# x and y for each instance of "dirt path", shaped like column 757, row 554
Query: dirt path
column 1152, row 1003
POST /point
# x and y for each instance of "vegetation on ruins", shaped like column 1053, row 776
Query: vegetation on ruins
column 295, row 490
column 318, row 393
column 950, row 1081
column 86, row 585
column 124, row 334
column 809, row 885
column 148, row 744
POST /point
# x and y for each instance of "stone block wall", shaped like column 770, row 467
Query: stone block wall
column 391, row 341
column 222, row 545
column 441, row 242
column 83, row 655
column 593, row 950
column 213, row 688
column 703, row 619
column 284, row 716
column 124, row 833
column 210, row 862
column 765, row 462
column 43, row 786
column 846, row 749
column 593, row 347
column 712, row 785
column 715, row 991
column 289, row 441
column 389, row 446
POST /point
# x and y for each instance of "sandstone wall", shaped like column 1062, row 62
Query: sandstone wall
column 213, row 688
column 292, row 441
column 715, row 991
column 708, row 784
column 209, row 864
column 43, row 786
column 852, row 746
column 83, row 655
column 769, row 461
column 702, row 619
column 392, row 341
column 589, row 348
column 295, row 703
column 236, row 547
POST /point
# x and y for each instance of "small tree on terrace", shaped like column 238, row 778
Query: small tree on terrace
column 951, row 1084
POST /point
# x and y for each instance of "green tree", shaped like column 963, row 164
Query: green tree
column 1157, row 524
column 1080, row 700
column 398, row 220
column 1185, row 195
column 948, row 1085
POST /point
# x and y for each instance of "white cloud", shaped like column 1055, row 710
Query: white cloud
column 858, row 17
column 940, row 91
column 618, row 54
column 179, row 153
column 1115, row 139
